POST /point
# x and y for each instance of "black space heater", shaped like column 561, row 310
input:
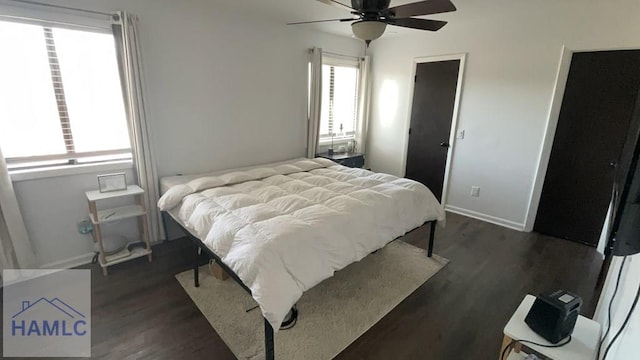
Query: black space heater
column 553, row 316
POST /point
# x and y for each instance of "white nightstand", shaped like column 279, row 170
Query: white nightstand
column 583, row 345
column 102, row 216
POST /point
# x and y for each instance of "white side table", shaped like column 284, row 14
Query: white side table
column 584, row 340
column 102, row 216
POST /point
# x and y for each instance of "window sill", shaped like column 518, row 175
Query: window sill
column 56, row 171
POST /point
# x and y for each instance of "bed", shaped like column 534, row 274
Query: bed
column 279, row 229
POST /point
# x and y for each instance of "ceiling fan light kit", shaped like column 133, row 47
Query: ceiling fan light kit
column 368, row 30
column 373, row 16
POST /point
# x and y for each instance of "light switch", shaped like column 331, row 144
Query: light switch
column 460, row 134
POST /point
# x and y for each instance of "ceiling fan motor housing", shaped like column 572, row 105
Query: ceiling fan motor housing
column 370, row 9
column 370, row 5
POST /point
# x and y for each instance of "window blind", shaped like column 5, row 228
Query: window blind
column 58, row 89
column 339, row 99
column 60, row 100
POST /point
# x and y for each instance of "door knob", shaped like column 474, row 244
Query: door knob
column 613, row 164
column 444, row 144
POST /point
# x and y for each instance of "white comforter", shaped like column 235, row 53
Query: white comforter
column 286, row 228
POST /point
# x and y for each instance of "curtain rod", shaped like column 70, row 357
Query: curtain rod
column 340, row 55
column 115, row 16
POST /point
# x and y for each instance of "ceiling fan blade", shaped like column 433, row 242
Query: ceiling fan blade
column 421, row 24
column 427, row 7
column 338, row 4
column 320, row 21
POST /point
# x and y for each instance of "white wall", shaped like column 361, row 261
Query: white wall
column 513, row 49
column 52, row 208
column 627, row 343
column 225, row 89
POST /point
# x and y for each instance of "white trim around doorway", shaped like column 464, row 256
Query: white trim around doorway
column 454, row 119
column 562, row 76
column 549, row 134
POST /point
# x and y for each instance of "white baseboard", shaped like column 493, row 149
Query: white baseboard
column 76, row 260
column 484, row 217
column 70, row 263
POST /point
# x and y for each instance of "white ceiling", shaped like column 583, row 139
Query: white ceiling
column 285, row 11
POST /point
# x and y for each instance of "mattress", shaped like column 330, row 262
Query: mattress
column 285, row 227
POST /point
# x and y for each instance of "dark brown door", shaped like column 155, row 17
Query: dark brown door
column 434, row 97
column 592, row 128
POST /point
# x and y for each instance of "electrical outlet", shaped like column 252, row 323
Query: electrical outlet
column 475, row 191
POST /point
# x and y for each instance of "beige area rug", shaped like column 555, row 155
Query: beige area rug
column 332, row 315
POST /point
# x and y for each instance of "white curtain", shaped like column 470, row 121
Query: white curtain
column 16, row 251
column 364, row 99
column 130, row 61
column 315, row 101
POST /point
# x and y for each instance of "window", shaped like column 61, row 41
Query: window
column 60, row 97
column 339, row 113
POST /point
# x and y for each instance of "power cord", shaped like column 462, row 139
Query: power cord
column 514, row 341
column 615, row 292
column 624, row 324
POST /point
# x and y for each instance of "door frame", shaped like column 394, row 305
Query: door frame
column 562, row 75
column 454, row 118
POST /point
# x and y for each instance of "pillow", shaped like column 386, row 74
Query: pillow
column 206, row 182
column 174, row 196
column 261, row 173
column 287, row 169
column 324, row 162
column 307, row 165
column 235, row 177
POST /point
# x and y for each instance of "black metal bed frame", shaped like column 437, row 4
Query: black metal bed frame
column 199, row 246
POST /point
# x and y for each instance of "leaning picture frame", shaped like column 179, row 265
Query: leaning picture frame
column 112, row 182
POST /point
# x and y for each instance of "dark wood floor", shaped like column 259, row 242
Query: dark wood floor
column 140, row 310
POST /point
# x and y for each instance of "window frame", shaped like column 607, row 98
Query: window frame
column 343, row 61
column 70, row 158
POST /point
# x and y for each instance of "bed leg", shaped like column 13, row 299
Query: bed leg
column 432, row 233
column 196, row 257
column 269, row 348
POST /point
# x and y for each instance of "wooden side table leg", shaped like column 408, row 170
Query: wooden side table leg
column 143, row 225
column 517, row 347
column 98, row 234
column 506, row 341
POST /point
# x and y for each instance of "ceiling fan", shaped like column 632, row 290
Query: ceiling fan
column 371, row 17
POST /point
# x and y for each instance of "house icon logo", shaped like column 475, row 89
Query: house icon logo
column 46, row 313
column 48, row 317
